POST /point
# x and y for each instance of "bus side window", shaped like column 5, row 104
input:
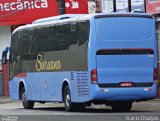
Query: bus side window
column 33, row 43
column 66, row 34
column 26, row 37
column 73, row 27
column 51, row 38
column 83, row 33
column 13, row 54
column 40, row 36
column 55, row 41
column 73, row 39
column 62, row 42
column 14, row 47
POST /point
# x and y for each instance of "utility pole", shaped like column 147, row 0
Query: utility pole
column 114, row 5
column 145, row 6
column 129, row 6
column 61, row 7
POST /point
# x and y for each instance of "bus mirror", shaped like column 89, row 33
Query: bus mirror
column 4, row 57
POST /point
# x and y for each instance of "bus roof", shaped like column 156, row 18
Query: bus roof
column 55, row 20
column 60, row 17
column 77, row 17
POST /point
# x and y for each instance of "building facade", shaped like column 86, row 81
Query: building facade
column 107, row 6
column 153, row 7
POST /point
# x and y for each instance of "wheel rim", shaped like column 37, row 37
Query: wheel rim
column 68, row 100
column 23, row 97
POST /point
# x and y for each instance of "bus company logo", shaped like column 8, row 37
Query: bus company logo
column 23, row 5
column 44, row 65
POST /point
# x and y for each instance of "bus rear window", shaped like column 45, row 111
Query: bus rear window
column 124, row 28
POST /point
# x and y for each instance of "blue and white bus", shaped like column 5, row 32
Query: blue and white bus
column 81, row 60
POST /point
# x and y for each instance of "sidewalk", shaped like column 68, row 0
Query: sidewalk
column 5, row 99
column 157, row 99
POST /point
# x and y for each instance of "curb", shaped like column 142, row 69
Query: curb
column 5, row 100
column 156, row 99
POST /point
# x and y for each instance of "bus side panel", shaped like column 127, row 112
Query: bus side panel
column 43, row 86
column 80, row 86
column 33, row 87
column 48, row 86
column 13, row 88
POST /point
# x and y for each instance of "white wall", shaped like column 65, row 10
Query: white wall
column 91, row 7
column 5, row 39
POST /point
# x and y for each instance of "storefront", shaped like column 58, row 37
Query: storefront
column 5, row 38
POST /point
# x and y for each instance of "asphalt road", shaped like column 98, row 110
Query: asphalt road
column 143, row 111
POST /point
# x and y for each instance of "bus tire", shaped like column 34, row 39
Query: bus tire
column 26, row 104
column 122, row 106
column 69, row 106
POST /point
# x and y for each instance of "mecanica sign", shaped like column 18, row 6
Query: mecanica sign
column 13, row 12
column 21, row 5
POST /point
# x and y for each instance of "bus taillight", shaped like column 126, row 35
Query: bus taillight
column 155, row 74
column 94, row 76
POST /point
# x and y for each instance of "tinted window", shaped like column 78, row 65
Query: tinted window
column 62, row 37
column 13, row 48
column 26, row 38
column 14, row 43
column 56, row 38
column 51, row 38
column 73, row 36
column 83, row 34
column 19, row 44
column 40, row 35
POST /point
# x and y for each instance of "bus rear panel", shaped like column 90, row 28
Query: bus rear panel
column 124, row 58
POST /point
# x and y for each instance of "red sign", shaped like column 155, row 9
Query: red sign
column 14, row 12
column 153, row 6
column 76, row 6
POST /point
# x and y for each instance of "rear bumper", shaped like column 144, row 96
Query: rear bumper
column 124, row 94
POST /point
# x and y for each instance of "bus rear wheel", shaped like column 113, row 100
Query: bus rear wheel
column 122, row 106
column 69, row 106
column 26, row 104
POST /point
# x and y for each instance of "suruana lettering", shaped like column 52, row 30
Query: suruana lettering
column 44, row 65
